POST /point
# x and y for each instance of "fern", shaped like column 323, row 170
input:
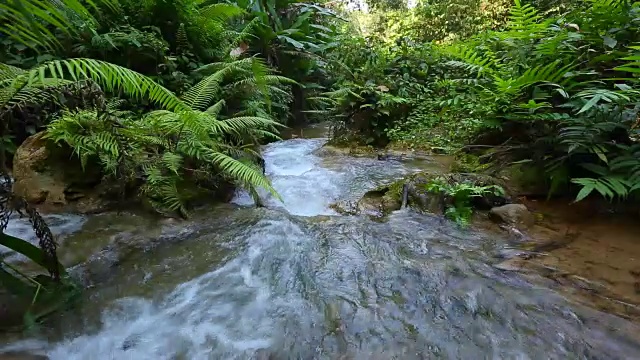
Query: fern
column 30, row 22
column 607, row 5
column 221, row 11
column 187, row 131
column 472, row 61
column 200, row 96
column 524, row 19
column 182, row 40
column 109, row 76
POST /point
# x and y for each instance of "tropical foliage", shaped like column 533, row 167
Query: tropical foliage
column 549, row 86
column 459, row 196
column 170, row 99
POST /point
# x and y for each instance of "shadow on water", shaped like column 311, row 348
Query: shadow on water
column 295, row 281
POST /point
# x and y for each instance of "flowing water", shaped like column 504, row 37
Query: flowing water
column 297, row 281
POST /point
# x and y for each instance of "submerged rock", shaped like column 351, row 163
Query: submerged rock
column 515, row 215
column 49, row 176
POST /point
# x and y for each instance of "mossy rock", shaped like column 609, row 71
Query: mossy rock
column 385, row 199
column 51, row 177
column 351, row 150
column 375, row 203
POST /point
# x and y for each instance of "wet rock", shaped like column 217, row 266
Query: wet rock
column 378, row 202
column 345, row 207
column 392, row 156
column 513, row 264
column 47, row 175
column 98, row 268
column 130, row 342
column 515, row 215
column 524, row 265
column 20, row 355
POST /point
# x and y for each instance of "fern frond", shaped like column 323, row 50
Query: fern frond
column 172, row 161
column 240, row 124
column 607, row 4
column 200, row 95
column 522, row 17
column 182, row 40
column 242, row 173
column 9, row 72
column 268, row 79
column 31, row 22
column 109, row 76
column 18, row 94
column 593, row 97
column 221, row 11
column 472, row 61
column 215, row 109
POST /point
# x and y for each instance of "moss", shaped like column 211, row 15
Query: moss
column 394, row 190
column 468, row 163
column 349, row 148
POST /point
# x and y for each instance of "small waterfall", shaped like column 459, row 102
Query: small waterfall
column 405, row 195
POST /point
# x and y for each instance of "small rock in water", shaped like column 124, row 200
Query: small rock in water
column 130, row 342
column 516, row 215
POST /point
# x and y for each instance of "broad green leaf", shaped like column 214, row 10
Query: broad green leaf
column 295, row 43
column 584, row 192
column 27, row 249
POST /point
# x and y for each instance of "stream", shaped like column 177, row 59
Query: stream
column 295, row 280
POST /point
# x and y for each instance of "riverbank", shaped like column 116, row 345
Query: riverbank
column 590, row 255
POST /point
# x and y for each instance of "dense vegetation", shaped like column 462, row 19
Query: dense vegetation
column 171, row 99
column 547, row 87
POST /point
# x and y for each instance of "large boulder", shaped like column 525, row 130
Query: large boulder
column 51, row 177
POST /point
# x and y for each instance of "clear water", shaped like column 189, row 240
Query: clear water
column 297, row 281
